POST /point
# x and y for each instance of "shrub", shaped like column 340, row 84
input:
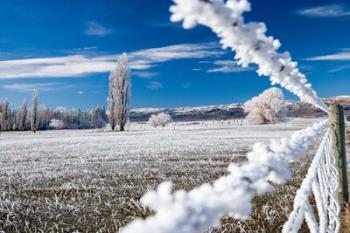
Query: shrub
column 161, row 119
column 56, row 124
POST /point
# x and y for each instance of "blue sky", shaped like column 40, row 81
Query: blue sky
column 66, row 48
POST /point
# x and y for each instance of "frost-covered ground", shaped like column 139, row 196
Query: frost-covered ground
column 91, row 180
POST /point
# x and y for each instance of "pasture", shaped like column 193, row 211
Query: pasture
column 92, row 180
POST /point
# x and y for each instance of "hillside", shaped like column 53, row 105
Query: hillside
column 214, row 112
column 233, row 111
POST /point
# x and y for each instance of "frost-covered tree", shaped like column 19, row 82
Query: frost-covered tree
column 266, row 107
column 119, row 93
column 43, row 117
column 1, row 129
column 161, row 119
column 40, row 116
column 21, row 117
column 56, row 124
column 34, row 114
column 99, row 118
column 6, row 116
column 111, row 104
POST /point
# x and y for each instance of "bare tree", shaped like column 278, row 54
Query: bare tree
column 6, row 117
column 34, row 115
column 39, row 117
column 119, row 93
column 266, row 107
column 111, row 102
column 21, row 117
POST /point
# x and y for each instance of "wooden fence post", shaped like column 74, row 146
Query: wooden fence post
column 337, row 127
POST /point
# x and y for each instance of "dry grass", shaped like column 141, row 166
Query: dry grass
column 345, row 220
column 270, row 211
column 92, row 181
column 109, row 201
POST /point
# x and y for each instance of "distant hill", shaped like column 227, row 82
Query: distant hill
column 217, row 112
column 343, row 100
column 233, row 111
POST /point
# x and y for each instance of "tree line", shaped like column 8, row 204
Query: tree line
column 43, row 118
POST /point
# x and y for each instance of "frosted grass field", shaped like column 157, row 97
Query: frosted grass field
column 92, row 180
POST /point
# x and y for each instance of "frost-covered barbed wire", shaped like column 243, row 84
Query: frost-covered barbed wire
column 321, row 181
column 203, row 207
column 248, row 40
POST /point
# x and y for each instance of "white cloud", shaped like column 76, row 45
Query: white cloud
column 165, row 24
column 31, row 86
column 339, row 68
column 144, row 74
column 154, row 85
column 341, row 56
column 227, row 66
column 344, row 55
column 328, row 11
column 180, row 51
column 96, row 29
column 80, row 65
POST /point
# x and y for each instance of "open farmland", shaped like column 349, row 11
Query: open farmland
column 92, row 180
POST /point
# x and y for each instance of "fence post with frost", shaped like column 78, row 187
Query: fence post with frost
column 337, row 127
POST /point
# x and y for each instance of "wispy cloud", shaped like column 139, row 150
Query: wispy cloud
column 172, row 52
column 95, row 29
column 328, row 11
column 339, row 68
column 154, row 85
column 31, row 86
column 227, row 66
column 81, row 65
column 344, row 55
column 144, row 74
column 164, row 24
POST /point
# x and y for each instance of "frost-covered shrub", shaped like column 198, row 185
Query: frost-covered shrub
column 56, row 124
column 161, row 119
column 266, row 107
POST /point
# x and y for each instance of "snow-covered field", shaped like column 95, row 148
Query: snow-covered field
column 91, row 180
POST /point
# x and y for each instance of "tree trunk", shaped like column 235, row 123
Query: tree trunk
column 112, row 125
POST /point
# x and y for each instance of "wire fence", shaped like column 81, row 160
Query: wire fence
column 321, row 182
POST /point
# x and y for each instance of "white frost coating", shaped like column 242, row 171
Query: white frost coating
column 322, row 181
column 248, row 41
column 203, row 207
